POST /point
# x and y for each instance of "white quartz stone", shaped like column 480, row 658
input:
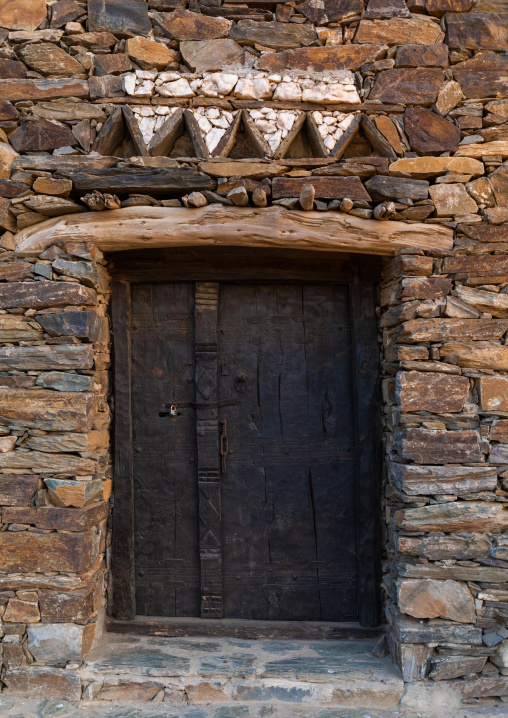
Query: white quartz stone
column 146, row 74
column 204, row 124
column 286, row 120
column 145, row 89
column 288, row 91
column 129, row 83
column 213, row 138
column 253, row 88
column 212, row 113
column 179, row 88
column 329, row 142
column 143, row 111
column 169, row 76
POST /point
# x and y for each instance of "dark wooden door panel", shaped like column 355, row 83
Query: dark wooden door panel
column 288, row 497
column 288, row 372
column 164, row 451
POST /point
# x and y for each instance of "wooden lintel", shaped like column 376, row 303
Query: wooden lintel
column 152, row 227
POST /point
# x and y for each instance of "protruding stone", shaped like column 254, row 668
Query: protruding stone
column 188, row 25
column 60, row 643
column 210, row 55
column 436, row 599
column 418, row 86
column 428, row 132
column 452, row 199
column 50, row 60
column 69, row 493
column 120, row 17
column 416, row 30
column 41, row 136
column 149, row 54
column 22, row 14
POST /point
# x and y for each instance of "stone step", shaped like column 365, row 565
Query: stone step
column 200, row 671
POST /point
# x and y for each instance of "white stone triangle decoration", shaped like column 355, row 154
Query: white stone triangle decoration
column 273, row 125
column 151, row 119
column 331, row 126
column 213, row 123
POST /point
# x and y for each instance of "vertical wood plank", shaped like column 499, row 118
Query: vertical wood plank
column 122, row 549
column 206, row 307
column 368, row 441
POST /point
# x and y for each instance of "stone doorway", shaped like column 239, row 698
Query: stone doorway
column 204, row 355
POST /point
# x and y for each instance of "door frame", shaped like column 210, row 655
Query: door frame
column 361, row 274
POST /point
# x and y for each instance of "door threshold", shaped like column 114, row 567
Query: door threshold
column 240, row 628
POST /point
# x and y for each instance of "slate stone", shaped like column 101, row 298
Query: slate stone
column 477, row 31
column 430, row 391
column 499, row 182
column 10, row 188
column 451, row 200
column 85, row 324
column 439, row 7
column 417, row 29
column 65, row 11
column 416, row 86
column 38, row 295
column 89, row 273
column 7, row 111
column 427, row 446
column 321, row 12
column 321, row 59
column 12, row 69
column 22, row 14
column 41, row 136
column 64, row 381
column 112, row 64
column 148, row 54
column 210, row 55
column 56, row 643
column 428, row 132
column 288, row 694
column 279, row 35
column 72, row 493
column 49, row 59
column 434, row 55
column 280, row 647
column 188, row 25
column 436, row 599
column 42, row 89
column 485, row 75
column 233, row 664
column 120, row 17
column 383, row 9
column 89, row 39
column 383, row 187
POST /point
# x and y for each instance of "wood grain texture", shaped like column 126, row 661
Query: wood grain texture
column 148, row 227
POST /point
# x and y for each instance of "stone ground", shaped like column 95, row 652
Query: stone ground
column 231, row 678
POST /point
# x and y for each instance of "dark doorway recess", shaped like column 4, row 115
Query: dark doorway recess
column 247, row 436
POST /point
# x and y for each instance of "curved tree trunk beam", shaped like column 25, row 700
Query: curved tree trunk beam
column 150, row 227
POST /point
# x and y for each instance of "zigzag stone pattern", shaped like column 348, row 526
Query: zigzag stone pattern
column 365, row 115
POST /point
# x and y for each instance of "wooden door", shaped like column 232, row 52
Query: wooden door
column 285, row 373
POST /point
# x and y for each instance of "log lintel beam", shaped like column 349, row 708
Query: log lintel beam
column 155, row 227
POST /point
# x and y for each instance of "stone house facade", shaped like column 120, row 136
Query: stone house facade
column 376, row 128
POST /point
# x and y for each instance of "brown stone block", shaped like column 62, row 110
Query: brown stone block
column 437, row 547
column 429, row 132
column 17, row 490
column 39, row 295
column 321, row 12
column 22, row 14
column 499, row 431
column 149, row 54
column 408, row 265
column 455, row 517
column 445, row 329
column 13, row 656
column 492, row 303
column 320, row 59
column 44, row 89
column 52, row 517
column 325, row 187
column 439, row 7
column 11, row 69
column 41, row 462
column 72, row 607
column 68, row 441
column 49, row 59
column 188, row 25
column 44, row 682
column 417, row 29
column 493, row 393
column 449, row 667
column 484, row 687
column 48, row 410
column 210, row 55
column 436, row 599
column 434, row 446
column 21, row 611
column 484, row 264
column 434, row 55
column 485, row 75
column 65, row 356
column 477, row 31
column 279, row 35
column 415, row 86
column 431, row 391
column 26, row 551
column 115, row 689
column 477, row 355
column 429, row 480
column 16, row 329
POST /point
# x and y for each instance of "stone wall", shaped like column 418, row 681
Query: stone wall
column 389, row 111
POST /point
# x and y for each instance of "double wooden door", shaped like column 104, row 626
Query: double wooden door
column 244, row 455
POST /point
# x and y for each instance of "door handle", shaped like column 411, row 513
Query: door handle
column 224, row 445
